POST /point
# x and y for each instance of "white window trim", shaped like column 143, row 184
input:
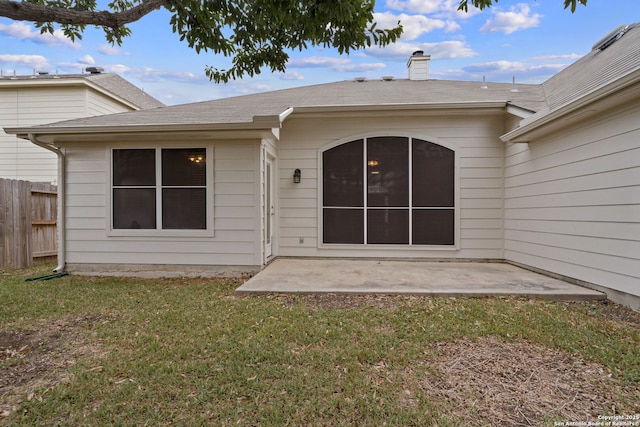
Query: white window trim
column 393, row 247
column 126, row 233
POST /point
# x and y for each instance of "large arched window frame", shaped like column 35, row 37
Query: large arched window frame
column 388, row 190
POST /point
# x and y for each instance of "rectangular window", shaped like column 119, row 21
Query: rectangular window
column 159, row 189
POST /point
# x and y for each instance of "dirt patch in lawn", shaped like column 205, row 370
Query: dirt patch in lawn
column 489, row 382
column 34, row 361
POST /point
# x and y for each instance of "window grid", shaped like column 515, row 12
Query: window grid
column 411, row 209
column 158, row 187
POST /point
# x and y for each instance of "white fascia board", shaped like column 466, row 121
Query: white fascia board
column 101, row 133
column 519, row 111
column 131, row 128
column 545, row 117
column 274, row 119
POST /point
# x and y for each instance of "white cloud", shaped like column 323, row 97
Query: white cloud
column 291, row 75
column 317, row 62
column 524, row 72
column 117, row 68
column 87, row 59
column 444, row 50
column 437, row 8
column 363, row 67
column 413, row 26
column 451, row 26
column 149, row 74
column 571, row 56
column 22, row 31
column 518, row 17
column 71, row 67
column 336, row 64
column 496, row 66
column 37, row 62
column 109, row 50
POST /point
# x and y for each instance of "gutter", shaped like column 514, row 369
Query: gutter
column 259, row 123
column 61, row 200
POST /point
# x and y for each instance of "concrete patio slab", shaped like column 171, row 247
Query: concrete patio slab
column 410, row 278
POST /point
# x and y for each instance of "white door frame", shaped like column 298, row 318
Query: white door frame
column 269, row 207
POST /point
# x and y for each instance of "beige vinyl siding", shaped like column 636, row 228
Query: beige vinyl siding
column 479, row 173
column 33, row 106
column 235, row 240
column 98, row 104
column 8, row 143
column 25, row 106
column 572, row 202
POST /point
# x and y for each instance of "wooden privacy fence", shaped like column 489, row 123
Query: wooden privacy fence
column 28, row 223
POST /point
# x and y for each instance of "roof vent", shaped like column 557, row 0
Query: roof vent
column 94, row 70
column 359, row 79
column 387, row 78
column 610, row 38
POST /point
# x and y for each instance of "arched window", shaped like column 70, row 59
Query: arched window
column 388, row 190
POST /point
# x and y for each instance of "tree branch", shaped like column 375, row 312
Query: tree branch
column 23, row 11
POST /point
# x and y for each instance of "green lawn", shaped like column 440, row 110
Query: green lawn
column 112, row 351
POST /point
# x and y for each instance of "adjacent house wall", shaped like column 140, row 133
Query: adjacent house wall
column 479, row 155
column 97, row 104
column 572, row 201
column 234, row 246
column 33, row 105
column 25, row 106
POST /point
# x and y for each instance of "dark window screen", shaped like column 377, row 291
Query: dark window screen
column 134, row 167
column 342, row 175
column 183, row 202
column 433, row 227
column 410, row 182
column 184, row 208
column 433, row 175
column 134, row 208
column 184, row 167
column 388, row 226
column 388, row 171
column 343, row 225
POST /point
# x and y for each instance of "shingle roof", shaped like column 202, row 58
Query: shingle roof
column 595, row 69
column 243, row 109
column 117, row 85
column 109, row 82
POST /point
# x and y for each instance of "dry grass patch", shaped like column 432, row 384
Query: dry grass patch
column 32, row 362
column 490, row 382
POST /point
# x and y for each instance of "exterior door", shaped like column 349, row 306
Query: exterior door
column 269, row 209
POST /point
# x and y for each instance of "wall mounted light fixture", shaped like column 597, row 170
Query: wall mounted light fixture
column 296, row 176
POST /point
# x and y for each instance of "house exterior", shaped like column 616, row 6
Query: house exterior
column 45, row 98
column 543, row 176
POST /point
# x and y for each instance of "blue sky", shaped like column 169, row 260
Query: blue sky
column 529, row 40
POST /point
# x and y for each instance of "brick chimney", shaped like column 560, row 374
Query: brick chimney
column 418, row 66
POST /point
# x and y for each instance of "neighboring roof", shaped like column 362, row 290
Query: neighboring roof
column 109, row 82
